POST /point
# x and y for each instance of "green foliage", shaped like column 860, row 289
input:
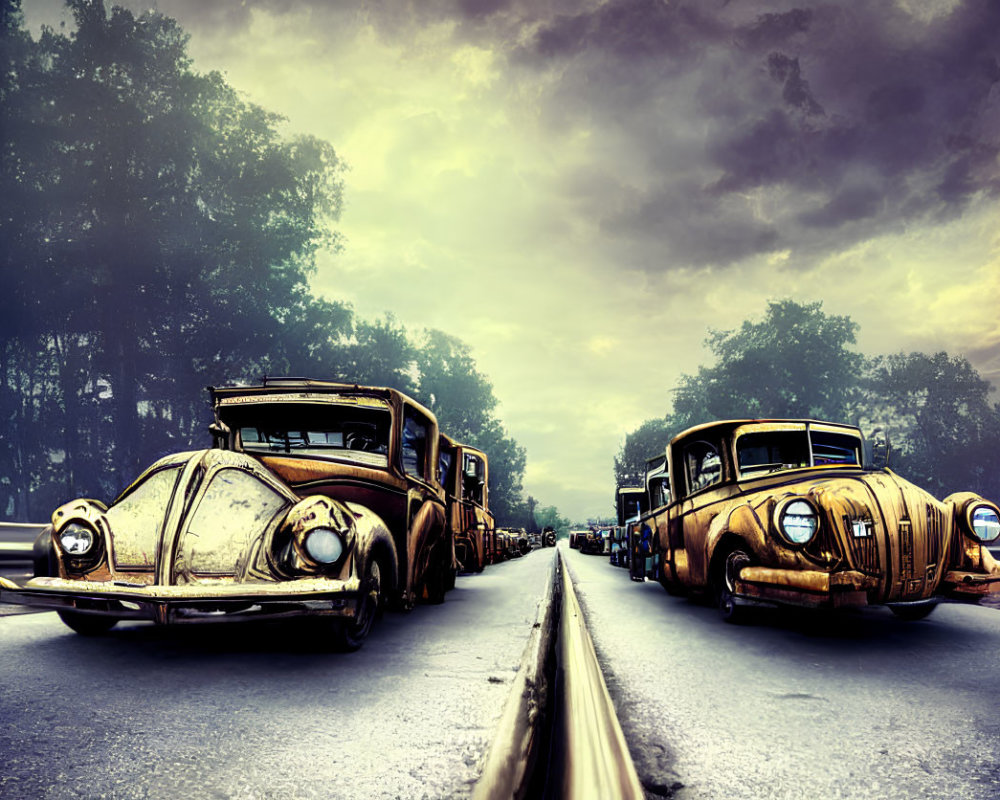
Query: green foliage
column 648, row 440
column 549, row 515
column 945, row 434
column 794, row 363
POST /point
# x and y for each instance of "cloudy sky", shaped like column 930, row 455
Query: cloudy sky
column 581, row 189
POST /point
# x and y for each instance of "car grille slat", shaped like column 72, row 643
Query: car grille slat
column 935, row 535
column 864, row 550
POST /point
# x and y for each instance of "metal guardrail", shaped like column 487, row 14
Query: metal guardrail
column 597, row 763
column 16, row 540
column 568, row 709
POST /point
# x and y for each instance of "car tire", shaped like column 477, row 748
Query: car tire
column 87, row 624
column 349, row 636
column 735, row 560
column 913, row 613
column 436, row 581
column 44, row 561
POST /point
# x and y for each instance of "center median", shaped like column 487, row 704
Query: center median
column 559, row 735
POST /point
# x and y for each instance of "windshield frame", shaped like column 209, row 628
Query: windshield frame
column 808, row 430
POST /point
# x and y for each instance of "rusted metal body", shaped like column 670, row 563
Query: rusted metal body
column 319, row 499
column 464, row 473
column 786, row 512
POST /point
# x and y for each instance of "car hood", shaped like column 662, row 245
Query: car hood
column 193, row 516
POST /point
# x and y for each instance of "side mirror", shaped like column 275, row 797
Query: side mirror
column 220, row 434
column 879, row 443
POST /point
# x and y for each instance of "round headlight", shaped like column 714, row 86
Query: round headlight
column 799, row 522
column 76, row 539
column 985, row 523
column 324, row 546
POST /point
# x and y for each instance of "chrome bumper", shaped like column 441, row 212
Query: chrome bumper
column 808, row 588
column 210, row 601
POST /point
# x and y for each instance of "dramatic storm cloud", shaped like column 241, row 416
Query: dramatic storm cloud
column 806, row 127
column 581, row 189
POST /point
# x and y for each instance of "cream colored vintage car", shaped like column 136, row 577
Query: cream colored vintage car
column 785, row 512
column 319, row 499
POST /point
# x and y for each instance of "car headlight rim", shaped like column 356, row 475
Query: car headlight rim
column 77, row 539
column 983, row 522
column 797, row 521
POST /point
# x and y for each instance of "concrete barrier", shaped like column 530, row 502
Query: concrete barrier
column 16, row 540
column 559, row 735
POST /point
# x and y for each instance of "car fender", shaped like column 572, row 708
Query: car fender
column 427, row 529
column 735, row 524
column 373, row 538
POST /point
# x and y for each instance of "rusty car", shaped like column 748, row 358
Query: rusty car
column 318, row 499
column 591, row 542
column 463, row 471
column 548, row 536
column 630, row 503
column 793, row 513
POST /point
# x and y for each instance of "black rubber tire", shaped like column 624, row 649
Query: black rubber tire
column 349, row 636
column 913, row 613
column 735, row 560
column 87, row 624
column 43, row 556
column 436, row 581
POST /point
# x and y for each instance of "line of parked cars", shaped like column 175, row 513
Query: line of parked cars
column 316, row 499
column 800, row 513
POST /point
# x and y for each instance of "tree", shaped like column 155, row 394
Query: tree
column 945, row 434
column 794, row 363
column 452, row 387
column 157, row 232
column 648, row 440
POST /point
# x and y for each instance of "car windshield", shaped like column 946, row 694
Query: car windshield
column 343, row 432
column 772, row 451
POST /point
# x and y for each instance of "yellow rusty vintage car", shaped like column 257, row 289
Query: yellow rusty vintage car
column 318, row 499
column 464, row 473
column 787, row 512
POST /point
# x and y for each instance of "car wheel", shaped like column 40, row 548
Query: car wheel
column 349, row 636
column 913, row 613
column 43, row 556
column 87, row 624
column 725, row 588
column 436, row 581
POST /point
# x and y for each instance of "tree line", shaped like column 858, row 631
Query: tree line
column 157, row 234
column 799, row 362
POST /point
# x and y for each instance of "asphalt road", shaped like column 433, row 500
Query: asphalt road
column 227, row 711
column 797, row 706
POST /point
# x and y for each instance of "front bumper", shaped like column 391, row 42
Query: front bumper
column 806, row 588
column 205, row 601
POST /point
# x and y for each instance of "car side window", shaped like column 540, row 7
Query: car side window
column 444, row 469
column 472, row 479
column 415, row 427
column 702, row 464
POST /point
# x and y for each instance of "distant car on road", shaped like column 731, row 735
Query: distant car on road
column 592, row 542
column 319, row 499
column 786, row 512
